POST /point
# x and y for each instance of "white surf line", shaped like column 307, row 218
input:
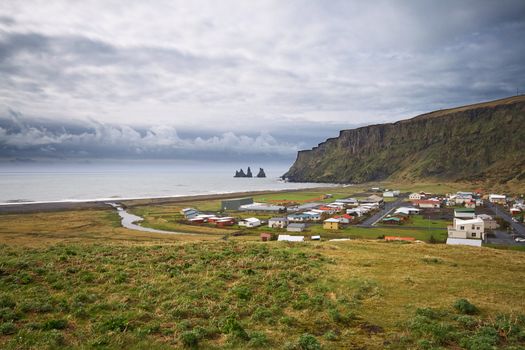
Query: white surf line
column 129, row 221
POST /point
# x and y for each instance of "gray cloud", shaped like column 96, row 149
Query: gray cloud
column 296, row 70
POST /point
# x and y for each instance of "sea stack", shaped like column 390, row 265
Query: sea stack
column 249, row 172
column 239, row 173
column 261, row 173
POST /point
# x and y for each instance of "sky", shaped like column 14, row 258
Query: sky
column 240, row 79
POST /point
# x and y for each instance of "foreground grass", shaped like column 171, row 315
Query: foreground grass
column 258, row 295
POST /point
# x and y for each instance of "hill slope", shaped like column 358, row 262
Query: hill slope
column 483, row 142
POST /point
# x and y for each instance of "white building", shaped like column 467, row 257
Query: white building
column 407, row 210
column 415, row 196
column 278, row 222
column 390, row 194
column 464, row 213
column 288, row 238
column 466, row 231
column 250, row 222
column 497, row 198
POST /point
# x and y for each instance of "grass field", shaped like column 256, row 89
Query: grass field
column 164, row 294
column 76, row 279
column 421, row 222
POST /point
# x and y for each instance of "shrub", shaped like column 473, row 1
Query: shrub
column 7, row 301
column 7, row 328
column 243, row 292
column 116, row 324
column 330, row 335
column 233, row 327
column 55, row 324
column 258, row 339
column 189, row 339
column 465, row 307
column 309, row 342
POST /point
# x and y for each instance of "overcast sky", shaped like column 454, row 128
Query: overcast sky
column 240, row 78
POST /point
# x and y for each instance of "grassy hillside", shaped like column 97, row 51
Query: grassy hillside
column 71, row 285
column 482, row 142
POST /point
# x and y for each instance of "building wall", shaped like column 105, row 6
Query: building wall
column 331, row 225
column 234, row 204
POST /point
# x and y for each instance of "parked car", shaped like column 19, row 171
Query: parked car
column 520, row 239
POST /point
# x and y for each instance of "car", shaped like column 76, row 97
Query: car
column 514, row 219
column 520, row 239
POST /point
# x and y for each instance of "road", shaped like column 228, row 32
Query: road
column 518, row 228
column 501, row 237
column 369, row 222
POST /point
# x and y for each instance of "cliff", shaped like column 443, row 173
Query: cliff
column 485, row 141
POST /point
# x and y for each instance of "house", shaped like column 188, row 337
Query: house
column 490, row 223
column 415, row 196
column 263, row 207
column 392, row 220
column 372, row 199
column 397, row 238
column 497, row 199
column 235, row 203
column 470, row 204
column 407, row 210
column 313, row 216
column 266, row 237
column 344, row 219
column 296, row 227
column 348, row 201
column 331, row 224
column 250, row 222
column 278, row 222
column 515, row 211
column 189, row 212
column 299, row 217
column 225, row 221
column 462, row 197
column 427, row 203
column 466, row 231
column 464, row 213
column 288, row 238
column 196, row 221
column 390, row 194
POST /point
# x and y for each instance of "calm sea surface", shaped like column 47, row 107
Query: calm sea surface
column 139, row 179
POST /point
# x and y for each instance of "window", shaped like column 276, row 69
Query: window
column 473, row 234
column 462, row 228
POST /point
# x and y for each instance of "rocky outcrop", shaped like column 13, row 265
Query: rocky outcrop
column 261, row 173
column 485, row 141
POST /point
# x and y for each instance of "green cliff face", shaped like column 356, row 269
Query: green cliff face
column 483, row 142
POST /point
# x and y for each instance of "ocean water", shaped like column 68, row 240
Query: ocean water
column 46, row 182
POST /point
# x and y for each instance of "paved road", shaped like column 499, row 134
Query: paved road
column 388, row 207
column 502, row 213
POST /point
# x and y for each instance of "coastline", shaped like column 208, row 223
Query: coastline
column 53, row 206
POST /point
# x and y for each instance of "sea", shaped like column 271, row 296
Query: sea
column 116, row 179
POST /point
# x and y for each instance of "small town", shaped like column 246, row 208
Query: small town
column 468, row 218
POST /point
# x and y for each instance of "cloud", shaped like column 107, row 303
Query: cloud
column 22, row 137
column 254, row 68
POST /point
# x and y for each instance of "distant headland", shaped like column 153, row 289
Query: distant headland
column 248, row 173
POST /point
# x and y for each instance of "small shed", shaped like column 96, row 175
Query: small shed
column 315, row 238
column 296, row 227
column 266, row 237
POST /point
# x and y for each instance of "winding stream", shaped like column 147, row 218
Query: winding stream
column 129, row 221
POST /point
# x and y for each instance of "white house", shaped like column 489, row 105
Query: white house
column 415, row 196
column 313, row 216
column 407, row 210
column 462, row 197
column 189, row 213
column 278, row 222
column 390, row 194
column 250, row 222
column 497, row 198
column 288, row 238
column 466, row 231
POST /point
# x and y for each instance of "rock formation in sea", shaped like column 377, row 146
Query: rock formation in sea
column 261, row 173
column 249, row 172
